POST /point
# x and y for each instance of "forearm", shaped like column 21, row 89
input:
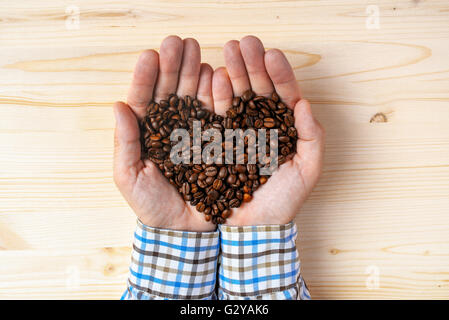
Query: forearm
column 169, row 264
column 260, row 262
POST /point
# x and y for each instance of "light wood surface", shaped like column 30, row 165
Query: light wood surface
column 376, row 226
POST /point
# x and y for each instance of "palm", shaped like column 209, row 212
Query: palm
column 178, row 69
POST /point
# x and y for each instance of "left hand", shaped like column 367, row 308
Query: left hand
column 248, row 66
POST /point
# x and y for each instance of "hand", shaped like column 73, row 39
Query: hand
column 177, row 69
column 249, row 66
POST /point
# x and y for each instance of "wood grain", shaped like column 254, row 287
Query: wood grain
column 382, row 95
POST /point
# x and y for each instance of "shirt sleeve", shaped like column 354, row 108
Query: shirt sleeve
column 171, row 264
column 260, row 262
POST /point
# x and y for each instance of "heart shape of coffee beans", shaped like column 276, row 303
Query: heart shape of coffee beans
column 212, row 188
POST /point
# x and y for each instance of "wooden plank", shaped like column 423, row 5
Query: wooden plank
column 379, row 211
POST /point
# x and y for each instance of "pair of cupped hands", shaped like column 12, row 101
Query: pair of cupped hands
column 177, row 68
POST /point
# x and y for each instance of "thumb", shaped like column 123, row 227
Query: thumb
column 309, row 129
column 310, row 145
column 126, row 142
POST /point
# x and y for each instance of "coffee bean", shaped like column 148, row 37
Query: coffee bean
column 217, row 184
column 229, row 194
column 240, row 168
column 292, row 132
column 211, row 171
column 200, row 207
column 198, row 195
column 185, row 188
column 234, row 203
column 231, row 179
column 213, row 194
column 215, row 188
column 202, row 183
column 269, row 123
column 221, row 206
column 288, row 120
column 243, row 177
column 226, row 213
column 252, row 168
column 193, row 178
column 222, row 173
column 247, row 95
column 209, row 180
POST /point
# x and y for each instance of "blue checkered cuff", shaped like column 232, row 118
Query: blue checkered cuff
column 260, row 262
column 170, row 264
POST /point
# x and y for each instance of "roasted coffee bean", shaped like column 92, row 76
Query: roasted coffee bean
column 240, row 168
column 200, row 207
column 229, row 194
column 215, row 188
column 252, row 168
column 217, row 184
column 239, row 195
column 193, row 178
column 243, row 177
column 234, row 203
column 226, row 213
column 221, row 206
column 247, row 197
column 291, row 131
column 231, row 179
column 209, row 180
column 185, row 188
column 198, row 195
column 222, row 173
column 288, row 120
column 247, row 95
column 213, row 194
column 211, row 171
column 285, row 151
column 202, row 183
column 269, row 122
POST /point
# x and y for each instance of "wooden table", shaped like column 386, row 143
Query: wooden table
column 377, row 73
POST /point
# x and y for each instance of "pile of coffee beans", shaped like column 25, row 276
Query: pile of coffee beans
column 215, row 189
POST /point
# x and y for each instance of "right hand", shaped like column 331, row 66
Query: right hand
column 177, row 68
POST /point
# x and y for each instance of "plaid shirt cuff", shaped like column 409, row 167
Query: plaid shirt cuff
column 260, row 262
column 171, row 264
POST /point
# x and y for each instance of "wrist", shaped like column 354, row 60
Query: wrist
column 250, row 219
column 178, row 225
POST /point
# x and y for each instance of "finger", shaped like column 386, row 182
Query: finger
column 126, row 142
column 310, row 144
column 144, row 79
column 253, row 54
column 283, row 77
column 170, row 58
column 204, row 93
column 221, row 91
column 236, row 67
column 190, row 68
